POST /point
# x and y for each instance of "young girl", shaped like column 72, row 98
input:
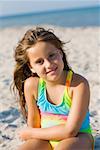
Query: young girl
column 53, row 98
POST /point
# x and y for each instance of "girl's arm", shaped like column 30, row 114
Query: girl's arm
column 30, row 91
column 80, row 102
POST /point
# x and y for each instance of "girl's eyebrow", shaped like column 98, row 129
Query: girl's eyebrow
column 38, row 59
column 53, row 51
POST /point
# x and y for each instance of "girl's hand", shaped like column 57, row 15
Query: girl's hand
column 25, row 134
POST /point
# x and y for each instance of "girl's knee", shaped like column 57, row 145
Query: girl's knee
column 35, row 144
column 82, row 141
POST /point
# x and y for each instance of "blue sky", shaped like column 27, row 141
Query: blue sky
column 12, row 7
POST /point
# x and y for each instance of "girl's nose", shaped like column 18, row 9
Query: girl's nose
column 47, row 63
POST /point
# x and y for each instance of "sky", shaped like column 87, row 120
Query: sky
column 13, row 7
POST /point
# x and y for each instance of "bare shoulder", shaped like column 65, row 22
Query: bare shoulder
column 31, row 85
column 31, row 82
column 80, row 86
column 79, row 80
column 81, row 91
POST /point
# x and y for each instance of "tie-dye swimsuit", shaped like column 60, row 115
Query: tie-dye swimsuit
column 52, row 115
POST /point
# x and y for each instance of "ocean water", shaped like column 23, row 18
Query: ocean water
column 81, row 17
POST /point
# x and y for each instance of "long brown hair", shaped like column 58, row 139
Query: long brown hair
column 22, row 71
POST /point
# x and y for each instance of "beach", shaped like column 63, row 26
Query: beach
column 83, row 53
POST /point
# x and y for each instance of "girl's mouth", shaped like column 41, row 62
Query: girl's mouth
column 52, row 71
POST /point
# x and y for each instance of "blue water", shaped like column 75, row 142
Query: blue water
column 81, row 17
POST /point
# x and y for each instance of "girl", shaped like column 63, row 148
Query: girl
column 53, row 99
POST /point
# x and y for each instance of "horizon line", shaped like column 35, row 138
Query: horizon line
column 48, row 11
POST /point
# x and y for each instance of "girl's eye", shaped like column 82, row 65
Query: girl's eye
column 40, row 62
column 52, row 55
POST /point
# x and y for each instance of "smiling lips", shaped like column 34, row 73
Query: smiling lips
column 51, row 71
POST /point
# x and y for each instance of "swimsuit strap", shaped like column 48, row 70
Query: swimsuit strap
column 69, row 78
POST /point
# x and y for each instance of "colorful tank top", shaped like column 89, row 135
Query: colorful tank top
column 52, row 115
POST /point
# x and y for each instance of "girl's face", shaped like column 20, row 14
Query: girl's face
column 46, row 60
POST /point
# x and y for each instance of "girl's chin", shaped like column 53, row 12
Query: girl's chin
column 52, row 78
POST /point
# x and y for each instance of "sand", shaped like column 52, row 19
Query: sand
column 83, row 53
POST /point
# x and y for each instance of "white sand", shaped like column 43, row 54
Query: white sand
column 83, row 53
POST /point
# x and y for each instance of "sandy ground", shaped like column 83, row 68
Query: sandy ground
column 83, row 53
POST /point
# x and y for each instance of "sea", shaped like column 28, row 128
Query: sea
column 80, row 17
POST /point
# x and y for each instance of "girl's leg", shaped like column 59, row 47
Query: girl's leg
column 35, row 144
column 82, row 141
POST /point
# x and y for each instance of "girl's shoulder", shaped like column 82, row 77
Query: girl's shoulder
column 80, row 89
column 31, row 84
column 79, row 79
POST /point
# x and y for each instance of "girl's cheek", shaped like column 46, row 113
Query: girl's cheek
column 39, row 71
column 59, row 59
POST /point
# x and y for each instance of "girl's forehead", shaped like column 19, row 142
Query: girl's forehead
column 41, row 48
